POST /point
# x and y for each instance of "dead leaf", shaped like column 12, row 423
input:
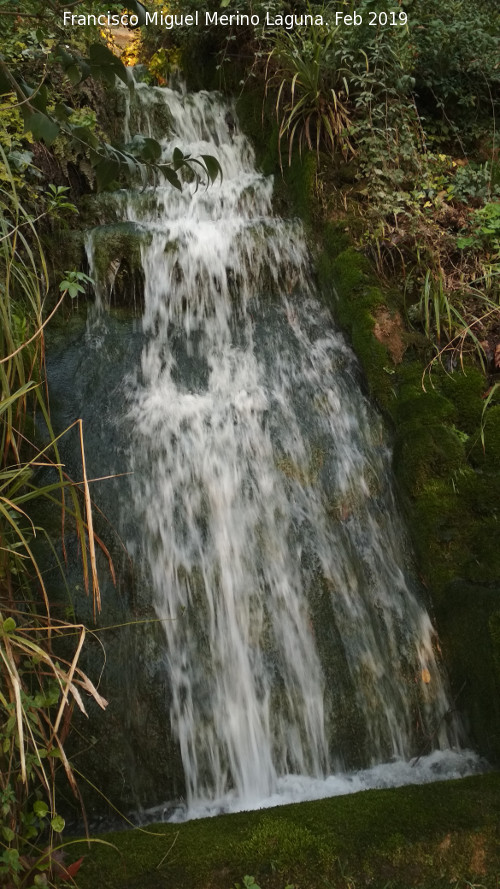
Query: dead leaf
column 71, row 870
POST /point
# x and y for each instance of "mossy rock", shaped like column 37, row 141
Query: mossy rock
column 350, row 290
column 99, row 209
column 486, row 451
column 423, row 453
column 486, row 550
column 465, row 390
column 441, row 535
column 479, row 492
column 494, row 630
column 351, row 273
column 469, row 623
column 118, row 261
column 430, row 836
column 261, row 129
column 300, row 179
column 375, row 361
column 419, row 408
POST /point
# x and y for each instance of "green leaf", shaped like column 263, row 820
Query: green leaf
column 107, row 171
column 144, row 147
column 106, row 65
column 171, row 176
column 86, row 135
column 178, row 158
column 64, row 57
column 213, row 166
column 57, row 823
column 42, row 127
column 8, row 834
column 40, row 98
column 20, row 159
column 5, row 84
column 62, row 112
column 73, row 74
column 11, row 858
column 151, row 150
column 9, row 625
column 40, row 808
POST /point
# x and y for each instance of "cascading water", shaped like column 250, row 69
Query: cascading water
column 295, row 645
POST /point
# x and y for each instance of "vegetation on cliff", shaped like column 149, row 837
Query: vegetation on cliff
column 385, row 141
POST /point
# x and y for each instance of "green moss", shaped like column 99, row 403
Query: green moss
column 375, row 361
column 479, row 492
column 440, row 535
column 487, row 455
column 416, row 407
column 485, row 563
column 465, row 391
column 278, row 843
column 426, row 452
column 335, row 240
column 494, row 629
column 469, row 617
column 350, row 274
column 350, row 290
column 300, row 179
column 306, row 474
column 118, row 262
column 261, row 127
column 428, row 836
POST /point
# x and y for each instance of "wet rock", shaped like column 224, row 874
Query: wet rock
column 115, row 262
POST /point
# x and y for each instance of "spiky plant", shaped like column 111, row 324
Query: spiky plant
column 312, row 98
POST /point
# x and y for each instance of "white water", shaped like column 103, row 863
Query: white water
column 301, row 662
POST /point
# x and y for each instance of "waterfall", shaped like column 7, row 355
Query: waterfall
column 296, row 646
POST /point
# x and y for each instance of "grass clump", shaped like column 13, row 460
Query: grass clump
column 39, row 683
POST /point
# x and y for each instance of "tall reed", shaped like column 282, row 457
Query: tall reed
column 38, row 686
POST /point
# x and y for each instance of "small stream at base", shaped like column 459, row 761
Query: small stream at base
column 299, row 659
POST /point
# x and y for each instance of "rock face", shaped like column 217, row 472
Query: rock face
column 447, row 463
column 115, row 263
column 389, row 330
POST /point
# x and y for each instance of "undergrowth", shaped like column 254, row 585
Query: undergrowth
column 41, row 681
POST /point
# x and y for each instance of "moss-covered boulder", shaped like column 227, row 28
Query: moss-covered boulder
column 469, row 616
column 116, row 262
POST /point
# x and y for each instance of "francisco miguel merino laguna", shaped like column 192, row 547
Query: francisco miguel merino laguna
column 109, row 19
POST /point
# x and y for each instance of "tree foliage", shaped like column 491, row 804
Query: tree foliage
column 41, row 69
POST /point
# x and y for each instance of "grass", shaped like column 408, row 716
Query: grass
column 427, row 836
column 312, row 92
column 38, row 685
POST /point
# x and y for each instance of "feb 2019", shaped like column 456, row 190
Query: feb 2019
column 373, row 18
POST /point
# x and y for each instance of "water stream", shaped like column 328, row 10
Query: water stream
column 301, row 660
